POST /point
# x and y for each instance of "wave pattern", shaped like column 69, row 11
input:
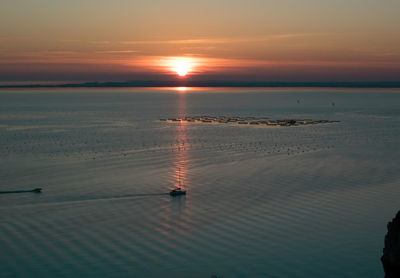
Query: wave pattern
column 297, row 202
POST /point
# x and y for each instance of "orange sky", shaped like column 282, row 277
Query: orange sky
column 288, row 40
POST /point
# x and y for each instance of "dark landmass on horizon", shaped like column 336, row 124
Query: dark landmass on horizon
column 391, row 251
column 180, row 83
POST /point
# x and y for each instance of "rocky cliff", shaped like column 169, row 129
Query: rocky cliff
column 391, row 251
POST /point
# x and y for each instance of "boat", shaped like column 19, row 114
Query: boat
column 178, row 190
column 36, row 190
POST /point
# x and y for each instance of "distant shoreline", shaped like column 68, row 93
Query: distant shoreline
column 231, row 84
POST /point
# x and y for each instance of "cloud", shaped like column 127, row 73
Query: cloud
column 225, row 40
column 199, row 48
column 101, row 42
column 116, row 51
column 68, row 40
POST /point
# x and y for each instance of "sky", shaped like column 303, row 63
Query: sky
column 253, row 40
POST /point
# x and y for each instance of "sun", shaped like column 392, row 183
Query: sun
column 182, row 67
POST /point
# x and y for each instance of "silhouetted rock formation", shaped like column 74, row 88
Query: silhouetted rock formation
column 391, row 251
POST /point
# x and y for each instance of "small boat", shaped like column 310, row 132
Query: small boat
column 178, row 190
column 36, row 190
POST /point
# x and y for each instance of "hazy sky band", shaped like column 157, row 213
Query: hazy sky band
column 289, row 40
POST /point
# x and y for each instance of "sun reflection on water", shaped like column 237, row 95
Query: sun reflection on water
column 179, row 171
column 181, row 158
column 182, row 89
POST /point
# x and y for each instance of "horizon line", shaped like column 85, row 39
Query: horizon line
column 205, row 84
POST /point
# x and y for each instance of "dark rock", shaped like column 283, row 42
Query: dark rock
column 391, row 251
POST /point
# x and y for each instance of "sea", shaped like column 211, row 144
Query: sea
column 296, row 201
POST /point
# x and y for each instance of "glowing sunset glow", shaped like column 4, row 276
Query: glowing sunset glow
column 250, row 41
column 182, row 67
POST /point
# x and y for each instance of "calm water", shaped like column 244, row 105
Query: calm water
column 309, row 201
